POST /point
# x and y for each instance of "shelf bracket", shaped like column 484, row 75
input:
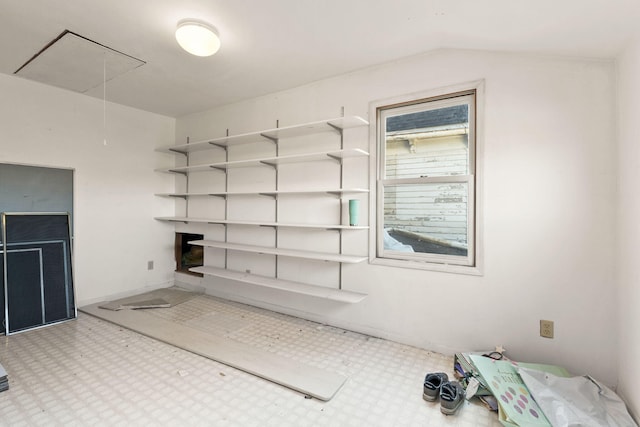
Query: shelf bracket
column 273, row 165
column 336, row 158
column 180, row 172
column 218, row 168
column 184, row 153
column 274, row 195
column 270, row 138
column 224, row 147
column 338, row 128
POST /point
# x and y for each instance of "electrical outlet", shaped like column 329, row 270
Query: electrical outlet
column 149, row 265
column 546, row 328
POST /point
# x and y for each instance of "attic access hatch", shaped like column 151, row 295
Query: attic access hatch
column 77, row 63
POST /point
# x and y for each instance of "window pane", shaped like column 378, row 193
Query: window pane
column 428, row 143
column 426, row 218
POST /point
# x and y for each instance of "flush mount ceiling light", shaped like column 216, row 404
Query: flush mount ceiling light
column 197, row 38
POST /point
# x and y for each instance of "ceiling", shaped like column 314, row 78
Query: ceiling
column 271, row 45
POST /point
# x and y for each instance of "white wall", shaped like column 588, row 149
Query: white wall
column 547, row 201
column 115, row 233
column 628, row 226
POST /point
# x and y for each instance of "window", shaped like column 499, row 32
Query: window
column 426, row 181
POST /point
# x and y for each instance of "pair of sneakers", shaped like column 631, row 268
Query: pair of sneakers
column 451, row 393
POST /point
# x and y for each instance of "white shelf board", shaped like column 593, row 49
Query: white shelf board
column 182, row 194
column 276, row 133
column 259, row 223
column 315, row 127
column 285, row 285
column 311, row 157
column 335, row 192
column 322, row 256
column 273, row 161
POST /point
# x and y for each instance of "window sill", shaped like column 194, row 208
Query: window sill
column 430, row 266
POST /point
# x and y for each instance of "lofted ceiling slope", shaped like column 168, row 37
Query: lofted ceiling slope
column 273, row 45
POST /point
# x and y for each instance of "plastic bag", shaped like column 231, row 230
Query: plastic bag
column 576, row 401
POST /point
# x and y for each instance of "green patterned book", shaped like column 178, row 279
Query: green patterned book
column 516, row 404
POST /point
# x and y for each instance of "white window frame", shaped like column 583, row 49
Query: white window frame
column 443, row 97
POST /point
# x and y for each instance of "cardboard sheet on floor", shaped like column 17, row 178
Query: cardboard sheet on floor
column 159, row 298
column 148, row 303
column 289, row 373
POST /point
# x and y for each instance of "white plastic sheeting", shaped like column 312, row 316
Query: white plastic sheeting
column 576, row 401
column 392, row 244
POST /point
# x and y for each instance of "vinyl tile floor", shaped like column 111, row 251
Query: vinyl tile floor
column 88, row 372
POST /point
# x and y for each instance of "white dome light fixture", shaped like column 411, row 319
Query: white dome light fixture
column 197, row 38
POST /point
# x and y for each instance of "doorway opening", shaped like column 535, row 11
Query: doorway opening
column 188, row 256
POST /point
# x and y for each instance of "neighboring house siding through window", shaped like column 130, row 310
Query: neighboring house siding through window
column 426, row 185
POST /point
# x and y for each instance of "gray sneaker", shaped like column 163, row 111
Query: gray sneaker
column 432, row 384
column 451, row 397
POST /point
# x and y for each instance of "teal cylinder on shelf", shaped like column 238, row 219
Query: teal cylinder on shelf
column 354, row 210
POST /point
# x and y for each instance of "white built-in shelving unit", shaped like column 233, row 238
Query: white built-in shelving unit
column 333, row 126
